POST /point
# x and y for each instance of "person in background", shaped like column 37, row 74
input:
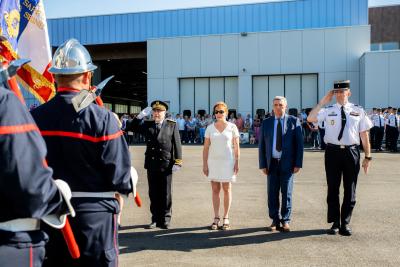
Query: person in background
column 181, row 126
column 239, row 122
column 256, row 127
column 202, row 125
column 232, row 118
column 221, row 154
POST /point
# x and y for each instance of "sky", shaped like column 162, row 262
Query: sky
column 78, row 8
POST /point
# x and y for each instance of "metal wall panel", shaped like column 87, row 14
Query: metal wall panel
column 186, row 94
column 309, row 91
column 216, row 91
column 201, row 90
column 231, row 92
column 260, row 93
column 276, row 87
column 293, row 91
column 271, row 16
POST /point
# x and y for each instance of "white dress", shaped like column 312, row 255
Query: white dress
column 221, row 158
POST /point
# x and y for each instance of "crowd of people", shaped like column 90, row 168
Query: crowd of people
column 384, row 135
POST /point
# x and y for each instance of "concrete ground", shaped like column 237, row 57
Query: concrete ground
column 376, row 219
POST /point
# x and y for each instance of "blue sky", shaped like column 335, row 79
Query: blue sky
column 77, row 8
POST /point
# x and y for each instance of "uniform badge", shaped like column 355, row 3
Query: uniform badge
column 332, row 114
column 354, row 114
column 332, row 122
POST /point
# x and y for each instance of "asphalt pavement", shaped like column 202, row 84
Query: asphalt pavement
column 375, row 222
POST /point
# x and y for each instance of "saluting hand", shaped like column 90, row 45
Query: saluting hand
column 365, row 165
column 327, row 98
column 144, row 113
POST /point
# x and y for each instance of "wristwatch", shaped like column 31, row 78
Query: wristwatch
column 368, row 158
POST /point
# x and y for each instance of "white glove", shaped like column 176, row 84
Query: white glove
column 176, row 168
column 134, row 178
column 58, row 220
column 144, row 113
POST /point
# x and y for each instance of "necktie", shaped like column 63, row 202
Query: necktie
column 395, row 120
column 158, row 127
column 343, row 123
column 380, row 122
column 279, row 136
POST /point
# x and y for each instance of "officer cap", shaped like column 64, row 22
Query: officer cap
column 341, row 85
column 160, row 105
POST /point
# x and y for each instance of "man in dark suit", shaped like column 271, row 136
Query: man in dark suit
column 163, row 156
column 280, row 157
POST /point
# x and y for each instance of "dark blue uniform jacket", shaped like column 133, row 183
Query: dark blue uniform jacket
column 26, row 188
column 85, row 149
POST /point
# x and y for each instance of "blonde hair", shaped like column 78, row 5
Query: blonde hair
column 221, row 104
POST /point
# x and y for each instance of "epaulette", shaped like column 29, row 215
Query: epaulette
column 331, row 106
column 170, row 120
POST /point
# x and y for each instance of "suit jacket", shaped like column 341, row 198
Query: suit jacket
column 164, row 149
column 292, row 143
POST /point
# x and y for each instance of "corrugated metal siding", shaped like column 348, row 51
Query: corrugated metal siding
column 274, row 16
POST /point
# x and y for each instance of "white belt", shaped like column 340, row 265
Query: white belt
column 94, row 194
column 20, row 225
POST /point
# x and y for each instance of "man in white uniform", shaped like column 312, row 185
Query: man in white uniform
column 344, row 123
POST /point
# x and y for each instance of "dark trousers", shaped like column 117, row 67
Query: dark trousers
column 321, row 135
column 97, row 238
column 388, row 138
column 374, row 136
column 392, row 133
column 182, row 135
column 341, row 162
column 379, row 137
column 15, row 254
column 279, row 180
column 160, row 194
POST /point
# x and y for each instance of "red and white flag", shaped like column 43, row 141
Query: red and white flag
column 24, row 25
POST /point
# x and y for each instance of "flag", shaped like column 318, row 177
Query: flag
column 23, row 23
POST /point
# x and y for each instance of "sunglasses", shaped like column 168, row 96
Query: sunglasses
column 219, row 112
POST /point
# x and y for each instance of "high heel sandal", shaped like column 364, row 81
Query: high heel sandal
column 226, row 225
column 215, row 224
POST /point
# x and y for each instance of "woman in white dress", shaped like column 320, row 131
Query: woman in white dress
column 221, row 161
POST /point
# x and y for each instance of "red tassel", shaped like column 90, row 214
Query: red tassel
column 73, row 247
column 138, row 200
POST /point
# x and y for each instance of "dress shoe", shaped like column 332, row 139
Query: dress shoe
column 345, row 230
column 273, row 227
column 152, row 225
column 285, row 228
column 334, row 229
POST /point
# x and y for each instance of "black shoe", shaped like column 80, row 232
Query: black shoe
column 165, row 226
column 334, row 229
column 152, row 225
column 345, row 230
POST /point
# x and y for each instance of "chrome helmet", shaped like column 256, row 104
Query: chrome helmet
column 71, row 58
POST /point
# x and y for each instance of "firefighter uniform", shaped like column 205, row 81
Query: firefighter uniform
column 27, row 192
column 88, row 151
column 163, row 151
column 343, row 125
